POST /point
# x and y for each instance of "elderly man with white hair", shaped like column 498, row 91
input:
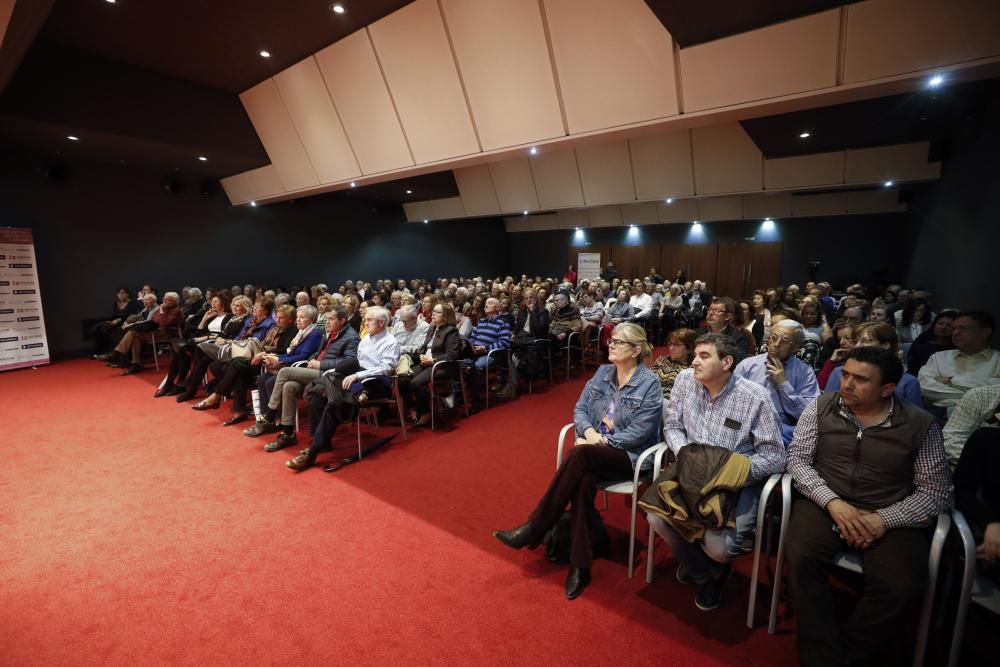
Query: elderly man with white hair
column 789, row 381
column 130, row 347
column 409, row 330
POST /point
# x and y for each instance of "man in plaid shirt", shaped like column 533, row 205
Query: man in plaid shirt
column 872, row 472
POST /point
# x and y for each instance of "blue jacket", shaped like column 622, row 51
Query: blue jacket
column 305, row 349
column 638, row 417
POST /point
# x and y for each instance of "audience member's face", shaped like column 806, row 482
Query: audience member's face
column 505, row 305
column 745, row 307
column 149, row 301
column 284, row 320
column 170, row 302
column 260, row 312
column 717, row 317
column 621, row 350
column 123, row 295
column 707, row 365
column 867, row 340
column 877, row 315
column 492, row 307
column 781, row 343
column 334, row 324
column 437, row 316
column 185, row 294
column 968, row 336
column 889, row 298
column 772, row 298
column 426, row 305
column 238, row 309
column 678, row 351
column 854, row 315
column 861, row 385
column 301, row 321
column 586, row 299
column 409, row 322
column 810, row 315
column 217, row 304
column 942, row 328
column 623, row 295
column 919, row 312
column 235, row 290
column 323, row 305
column 845, row 338
column 561, row 301
column 375, row 325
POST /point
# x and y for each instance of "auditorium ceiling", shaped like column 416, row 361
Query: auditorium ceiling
column 156, row 85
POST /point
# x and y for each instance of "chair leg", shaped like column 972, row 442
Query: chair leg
column 786, row 514
column 649, row 555
column 402, row 419
column 631, row 533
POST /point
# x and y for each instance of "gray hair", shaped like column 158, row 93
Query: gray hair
column 407, row 312
column 796, row 330
column 194, row 291
column 308, row 311
column 282, row 299
column 379, row 313
column 172, row 295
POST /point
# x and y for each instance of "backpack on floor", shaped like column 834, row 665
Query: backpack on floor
column 558, row 540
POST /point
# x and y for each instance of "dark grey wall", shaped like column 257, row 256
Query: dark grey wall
column 955, row 221
column 850, row 248
column 100, row 226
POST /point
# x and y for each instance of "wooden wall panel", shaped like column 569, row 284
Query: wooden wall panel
column 643, row 213
column 804, row 170
column 898, row 162
column 606, row 173
column 416, row 58
column 251, row 185
column 614, row 62
column 605, row 216
column 475, row 185
column 323, row 137
column 503, row 56
column 355, row 82
column 557, row 179
column 277, row 133
column 681, row 210
column 782, row 59
column 777, row 205
column 662, row 166
column 888, row 37
column 726, row 160
column 514, row 185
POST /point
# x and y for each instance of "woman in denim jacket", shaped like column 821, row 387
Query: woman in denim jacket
column 619, row 414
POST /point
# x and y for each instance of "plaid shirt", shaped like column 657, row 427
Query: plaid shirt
column 740, row 419
column 932, row 494
column 978, row 408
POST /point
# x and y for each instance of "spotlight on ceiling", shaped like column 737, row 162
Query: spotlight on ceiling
column 426, row 221
column 696, row 226
column 72, row 138
column 409, row 192
column 353, row 184
column 889, row 184
column 935, row 81
column 670, row 200
column 337, row 8
column 524, row 213
column 254, row 204
column 265, row 54
column 805, row 135
column 578, row 234
column 768, row 225
column 533, row 150
column 202, row 158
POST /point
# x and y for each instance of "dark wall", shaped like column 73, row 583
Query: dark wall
column 955, row 221
column 100, row 226
column 850, row 248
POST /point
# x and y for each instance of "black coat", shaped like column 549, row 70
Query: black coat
column 539, row 322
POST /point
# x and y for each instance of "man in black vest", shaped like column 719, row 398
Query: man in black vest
column 872, row 475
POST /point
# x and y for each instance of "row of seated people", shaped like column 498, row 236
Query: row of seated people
column 865, row 462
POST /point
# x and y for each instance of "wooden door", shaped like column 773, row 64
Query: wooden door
column 627, row 259
column 765, row 266
column 734, row 268
column 697, row 261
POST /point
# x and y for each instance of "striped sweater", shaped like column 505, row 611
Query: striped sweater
column 492, row 333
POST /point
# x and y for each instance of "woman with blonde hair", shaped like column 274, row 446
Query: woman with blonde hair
column 618, row 416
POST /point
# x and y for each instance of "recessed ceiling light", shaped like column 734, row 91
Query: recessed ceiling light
column 888, row 184
column 72, row 138
column 805, row 135
column 670, row 200
column 338, row 8
column 533, row 150
column 524, row 212
column 203, row 158
column 426, row 221
column 936, row 81
column 253, row 203
column 110, row 2
column 768, row 224
column 696, row 226
column 353, row 184
column 409, row 192
column 631, row 226
column 265, row 54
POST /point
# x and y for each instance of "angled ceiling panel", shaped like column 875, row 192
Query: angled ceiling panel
column 614, row 61
column 309, row 105
column 514, row 186
column 277, row 133
column 887, row 163
column 418, row 211
column 503, row 56
column 662, row 165
column 449, row 208
column 475, row 186
column 252, row 185
column 782, row 59
column 416, row 58
column 606, row 173
column 888, row 37
column 557, row 179
column 726, row 160
column 359, row 93
column 805, row 170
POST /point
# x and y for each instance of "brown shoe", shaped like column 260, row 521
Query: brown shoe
column 301, row 462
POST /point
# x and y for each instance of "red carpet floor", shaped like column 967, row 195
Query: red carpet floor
column 137, row 531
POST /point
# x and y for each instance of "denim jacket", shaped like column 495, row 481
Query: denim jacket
column 638, row 417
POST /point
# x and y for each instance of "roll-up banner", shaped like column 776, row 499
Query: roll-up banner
column 22, row 325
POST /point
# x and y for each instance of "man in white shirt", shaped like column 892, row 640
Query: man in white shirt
column 949, row 374
column 642, row 304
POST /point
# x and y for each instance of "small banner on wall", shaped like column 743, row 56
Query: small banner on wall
column 588, row 266
column 22, row 325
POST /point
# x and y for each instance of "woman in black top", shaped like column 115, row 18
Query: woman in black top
column 443, row 343
column 109, row 333
column 935, row 339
